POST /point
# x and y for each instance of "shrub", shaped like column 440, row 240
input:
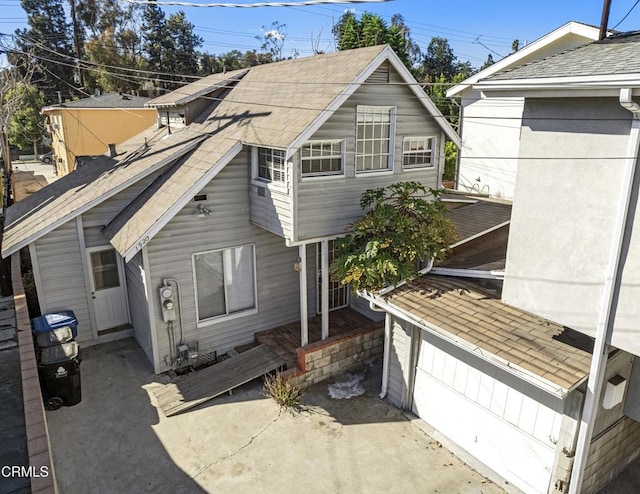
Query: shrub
column 286, row 394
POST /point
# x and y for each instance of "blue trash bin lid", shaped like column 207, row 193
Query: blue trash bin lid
column 54, row 320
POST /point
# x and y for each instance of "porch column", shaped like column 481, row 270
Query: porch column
column 324, row 254
column 304, row 326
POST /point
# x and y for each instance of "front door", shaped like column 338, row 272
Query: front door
column 107, row 288
column 338, row 293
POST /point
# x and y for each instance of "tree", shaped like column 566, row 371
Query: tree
column 181, row 56
column 439, row 60
column 26, row 126
column 405, row 223
column 488, row 63
column 48, row 40
column 155, row 36
column 273, row 41
column 372, row 30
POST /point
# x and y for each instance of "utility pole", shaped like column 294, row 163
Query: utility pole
column 606, row 7
column 76, row 40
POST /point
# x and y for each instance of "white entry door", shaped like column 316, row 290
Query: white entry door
column 106, row 273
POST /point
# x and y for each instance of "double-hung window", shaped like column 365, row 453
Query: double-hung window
column 225, row 281
column 418, row 152
column 374, row 138
column 271, row 165
column 321, row 158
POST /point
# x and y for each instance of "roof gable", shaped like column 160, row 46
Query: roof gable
column 568, row 36
column 616, row 57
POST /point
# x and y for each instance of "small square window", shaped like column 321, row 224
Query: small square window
column 321, row 158
column 418, row 152
column 271, row 165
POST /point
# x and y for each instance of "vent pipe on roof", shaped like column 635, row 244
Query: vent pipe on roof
column 112, row 151
column 606, row 7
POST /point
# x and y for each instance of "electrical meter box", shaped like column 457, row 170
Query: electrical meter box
column 167, row 302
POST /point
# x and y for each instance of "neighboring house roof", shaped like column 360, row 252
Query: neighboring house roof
column 475, row 219
column 103, row 101
column 570, row 31
column 278, row 105
column 476, row 319
column 617, row 56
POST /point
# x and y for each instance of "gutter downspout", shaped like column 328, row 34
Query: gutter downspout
column 386, row 353
column 604, row 328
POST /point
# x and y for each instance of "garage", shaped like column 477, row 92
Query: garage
column 500, row 383
column 510, row 431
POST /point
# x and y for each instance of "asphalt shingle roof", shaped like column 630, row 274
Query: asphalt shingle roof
column 108, row 100
column 477, row 316
column 615, row 55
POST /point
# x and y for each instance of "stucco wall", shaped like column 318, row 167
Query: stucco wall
column 565, row 202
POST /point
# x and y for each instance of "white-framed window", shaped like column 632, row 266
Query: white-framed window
column 374, row 138
column 225, row 282
column 319, row 158
column 270, row 165
column 418, row 152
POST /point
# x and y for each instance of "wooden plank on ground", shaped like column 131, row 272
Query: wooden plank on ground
column 192, row 390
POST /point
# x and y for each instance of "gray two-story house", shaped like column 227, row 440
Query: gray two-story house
column 219, row 221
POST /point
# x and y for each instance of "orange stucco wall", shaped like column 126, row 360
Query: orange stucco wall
column 87, row 132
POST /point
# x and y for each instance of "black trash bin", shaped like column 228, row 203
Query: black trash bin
column 59, row 369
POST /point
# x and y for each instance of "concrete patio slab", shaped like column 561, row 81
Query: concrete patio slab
column 116, row 440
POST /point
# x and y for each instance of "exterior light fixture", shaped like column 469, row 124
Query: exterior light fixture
column 297, row 266
column 203, row 211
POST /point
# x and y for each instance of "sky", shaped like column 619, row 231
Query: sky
column 474, row 28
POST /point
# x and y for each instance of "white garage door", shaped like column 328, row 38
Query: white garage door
column 508, row 431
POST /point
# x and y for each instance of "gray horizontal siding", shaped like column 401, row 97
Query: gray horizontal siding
column 93, row 237
column 326, row 206
column 400, row 345
column 138, row 305
column 273, row 211
column 170, row 255
column 104, row 212
column 63, row 287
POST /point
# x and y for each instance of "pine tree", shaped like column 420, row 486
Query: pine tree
column 155, row 37
column 48, row 40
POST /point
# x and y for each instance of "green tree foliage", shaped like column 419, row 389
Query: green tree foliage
column 371, row 30
column 26, row 127
column 488, row 62
column 439, row 60
column 48, row 39
column 404, row 224
column 170, row 45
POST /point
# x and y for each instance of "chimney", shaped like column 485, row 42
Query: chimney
column 112, row 151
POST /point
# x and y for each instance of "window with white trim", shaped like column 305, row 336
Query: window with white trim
column 321, row 158
column 418, row 152
column 271, row 165
column 374, row 138
column 225, row 281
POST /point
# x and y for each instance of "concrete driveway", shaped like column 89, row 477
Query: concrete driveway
column 116, row 441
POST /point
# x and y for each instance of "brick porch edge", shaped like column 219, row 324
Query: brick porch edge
column 38, row 445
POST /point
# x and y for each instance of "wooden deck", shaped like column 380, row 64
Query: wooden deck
column 284, row 340
column 193, row 389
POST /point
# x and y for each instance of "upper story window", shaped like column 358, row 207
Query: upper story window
column 418, row 152
column 321, row 158
column 374, row 138
column 271, row 165
column 225, row 282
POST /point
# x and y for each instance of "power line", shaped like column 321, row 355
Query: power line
column 302, row 3
column 626, row 15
